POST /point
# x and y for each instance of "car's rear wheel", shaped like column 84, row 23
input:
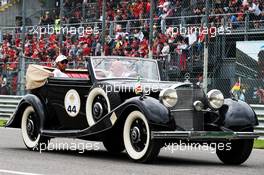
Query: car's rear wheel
column 237, row 153
column 30, row 130
column 137, row 138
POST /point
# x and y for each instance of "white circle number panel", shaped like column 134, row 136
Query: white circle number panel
column 72, row 103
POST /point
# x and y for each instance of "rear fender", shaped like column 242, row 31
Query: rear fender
column 28, row 100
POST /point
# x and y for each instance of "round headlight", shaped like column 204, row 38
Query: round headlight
column 168, row 97
column 215, row 98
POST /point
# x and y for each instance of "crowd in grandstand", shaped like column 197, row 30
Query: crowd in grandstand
column 128, row 38
column 127, row 32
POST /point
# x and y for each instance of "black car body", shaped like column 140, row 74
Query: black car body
column 134, row 111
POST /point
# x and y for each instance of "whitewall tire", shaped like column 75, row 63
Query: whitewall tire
column 137, row 138
column 31, row 136
column 91, row 105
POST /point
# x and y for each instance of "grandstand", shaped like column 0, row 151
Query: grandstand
column 127, row 33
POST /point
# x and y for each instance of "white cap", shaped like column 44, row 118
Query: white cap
column 60, row 58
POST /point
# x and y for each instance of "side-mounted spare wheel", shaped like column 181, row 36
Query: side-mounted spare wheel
column 97, row 105
column 137, row 138
column 238, row 153
column 30, row 130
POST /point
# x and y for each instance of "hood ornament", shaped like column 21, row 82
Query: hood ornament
column 187, row 77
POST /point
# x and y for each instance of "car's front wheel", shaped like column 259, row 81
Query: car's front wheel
column 30, row 130
column 137, row 138
column 237, row 151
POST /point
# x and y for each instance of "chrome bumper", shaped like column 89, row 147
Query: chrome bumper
column 203, row 135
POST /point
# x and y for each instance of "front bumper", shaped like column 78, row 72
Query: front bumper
column 202, row 135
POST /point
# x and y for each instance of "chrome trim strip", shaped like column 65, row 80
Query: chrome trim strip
column 203, row 135
column 181, row 110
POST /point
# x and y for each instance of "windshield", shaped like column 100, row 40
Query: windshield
column 105, row 68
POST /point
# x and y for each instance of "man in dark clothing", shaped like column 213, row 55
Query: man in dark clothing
column 3, row 87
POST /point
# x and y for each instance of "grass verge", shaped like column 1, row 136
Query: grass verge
column 259, row 144
column 2, row 122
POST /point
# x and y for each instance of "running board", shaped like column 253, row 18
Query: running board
column 61, row 133
column 203, row 135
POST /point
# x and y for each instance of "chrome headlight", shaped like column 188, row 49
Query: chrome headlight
column 168, row 97
column 215, row 98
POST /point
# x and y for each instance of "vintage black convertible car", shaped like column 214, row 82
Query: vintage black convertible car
column 123, row 103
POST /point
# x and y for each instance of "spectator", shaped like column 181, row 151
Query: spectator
column 182, row 48
column 242, row 95
column 260, row 93
column 3, row 86
column 255, row 13
column 46, row 19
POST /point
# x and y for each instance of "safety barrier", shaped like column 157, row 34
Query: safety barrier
column 259, row 110
column 8, row 104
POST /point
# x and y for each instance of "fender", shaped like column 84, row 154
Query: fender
column 35, row 102
column 237, row 114
column 156, row 113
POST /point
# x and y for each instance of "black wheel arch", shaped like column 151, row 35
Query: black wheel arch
column 158, row 115
column 28, row 100
column 237, row 114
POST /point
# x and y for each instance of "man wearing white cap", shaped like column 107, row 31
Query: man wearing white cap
column 61, row 64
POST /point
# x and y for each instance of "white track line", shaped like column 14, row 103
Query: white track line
column 16, row 172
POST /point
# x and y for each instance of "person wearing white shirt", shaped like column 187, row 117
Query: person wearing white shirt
column 255, row 15
column 61, row 64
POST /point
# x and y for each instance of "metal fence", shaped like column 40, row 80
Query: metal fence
column 177, row 41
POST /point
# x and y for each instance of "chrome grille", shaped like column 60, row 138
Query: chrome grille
column 185, row 98
column 188, row 119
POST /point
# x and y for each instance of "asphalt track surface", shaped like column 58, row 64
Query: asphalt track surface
column 63, row 158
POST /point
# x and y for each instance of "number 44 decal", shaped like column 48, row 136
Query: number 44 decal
column 72, row 103
column 71, row 109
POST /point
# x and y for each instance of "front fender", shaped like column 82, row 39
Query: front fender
column 156, row 113
column 27, row 100
column 237, row 114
